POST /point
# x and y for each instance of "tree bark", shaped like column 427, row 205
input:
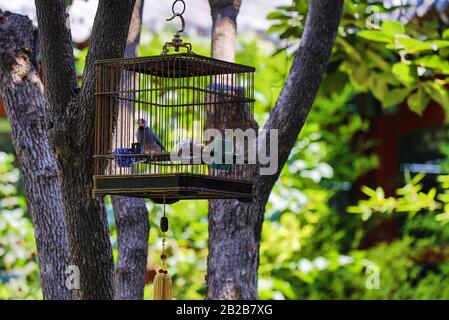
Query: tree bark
column 131, row 218
column 224, row 28
column 234, row 227
column 131, row 214
column 70, row 126
column 21, row 90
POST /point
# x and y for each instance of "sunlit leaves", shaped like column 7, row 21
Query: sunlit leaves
column 410, row 199
column 392, row 28
column 19, row 276
column 405, row 74
column 438, row 93
column 390, row 61
column 433, row 62
column 445, row 34
column 375, row 35
column 418, row 101
column 395, row 96
column 378, row 87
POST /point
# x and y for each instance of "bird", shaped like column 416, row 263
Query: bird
column 147, row 139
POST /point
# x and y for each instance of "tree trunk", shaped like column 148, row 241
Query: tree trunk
column 21, row 90
column 224, row 28
column 131, row 217
column 131, row 214
column 234, row 227
column 70, row 126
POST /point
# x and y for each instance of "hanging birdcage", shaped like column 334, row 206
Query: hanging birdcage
column 153, row 121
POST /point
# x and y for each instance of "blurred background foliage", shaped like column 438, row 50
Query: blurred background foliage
column 323, row 231
column 19, row 271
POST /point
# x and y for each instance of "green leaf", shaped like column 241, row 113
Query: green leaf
column 417, row 178
column 277, row 15
column 290, row 32
column 369, row 192
column 433, row 62
column 391, row 28
column 354, row 209
column 276, row 28
column 349, row 49
column 405, row 74
column 395, row 97
column 378, row 60
column 378, row 87
column 438, row 93
column 438, row 44
column 360, row 73
column 375, row 35
column 445, row 34
column 418, row 101
column 413, row 45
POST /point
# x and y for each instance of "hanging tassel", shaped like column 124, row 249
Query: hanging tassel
column 167, row 287
column 162, row 286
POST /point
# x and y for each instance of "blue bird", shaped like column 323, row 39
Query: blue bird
column 147, row 139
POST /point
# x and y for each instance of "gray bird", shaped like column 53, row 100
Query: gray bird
column 147, row 139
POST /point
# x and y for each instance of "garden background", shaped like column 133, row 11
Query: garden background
column 361, row 208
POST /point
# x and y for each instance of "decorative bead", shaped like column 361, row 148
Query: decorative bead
column 164, row 224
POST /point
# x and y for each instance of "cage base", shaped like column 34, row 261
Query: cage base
column 173, row 187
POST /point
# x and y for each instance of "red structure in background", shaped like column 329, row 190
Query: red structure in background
column 387, row 130
column 2, row 109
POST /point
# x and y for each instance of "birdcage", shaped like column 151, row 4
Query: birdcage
column 167, row 128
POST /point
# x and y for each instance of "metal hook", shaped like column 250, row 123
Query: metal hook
column 179, row 14
column 183, row 22
column 177, row 42
column 173, row 7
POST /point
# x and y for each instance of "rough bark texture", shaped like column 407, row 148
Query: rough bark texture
column 224, row 29
column 234, row 227
column 133, row 230
column 70, row 126
column 131, row 214
column 21, row 90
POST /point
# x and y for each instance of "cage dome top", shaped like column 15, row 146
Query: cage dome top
column 178, row 65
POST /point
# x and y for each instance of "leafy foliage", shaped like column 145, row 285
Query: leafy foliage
column 19, row 273
column 312, row 248
column 393, row 62
column 410, row 199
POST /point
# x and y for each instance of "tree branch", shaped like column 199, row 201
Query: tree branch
column 234, row 227
column 21, row 89
column 224, row 29
column 109, row 35
column 131, row 214
column 302, row 85
column 58, row 62
column 135, row 28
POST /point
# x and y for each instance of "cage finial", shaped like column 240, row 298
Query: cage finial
column 177, row 42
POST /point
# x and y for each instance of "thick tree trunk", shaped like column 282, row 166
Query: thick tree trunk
column 131, row 217
column 221, row 219
column 21, row 90
column 234, row 227
column 131, row 214
column 70, row 126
